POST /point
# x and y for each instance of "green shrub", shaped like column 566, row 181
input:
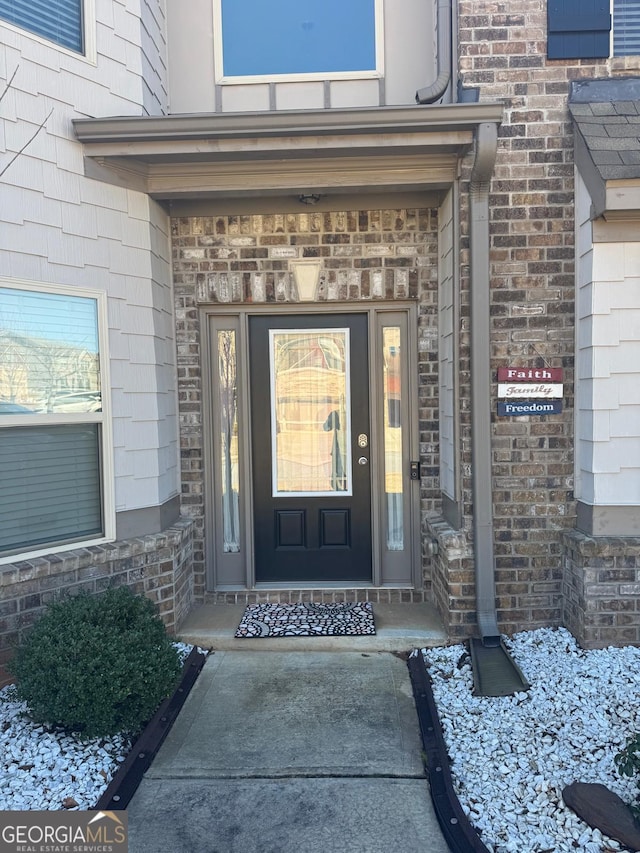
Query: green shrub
column 97, row 664
column 628, row 764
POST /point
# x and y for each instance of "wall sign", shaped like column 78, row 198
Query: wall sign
column 529, row 374
column 516, row 390
column 529, row 407
column 529, row 391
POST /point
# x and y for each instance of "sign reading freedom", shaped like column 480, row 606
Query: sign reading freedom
column 530, row 407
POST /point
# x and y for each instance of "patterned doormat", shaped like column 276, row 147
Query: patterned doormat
column 307, row 620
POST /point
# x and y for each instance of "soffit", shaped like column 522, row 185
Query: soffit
column 242, row 154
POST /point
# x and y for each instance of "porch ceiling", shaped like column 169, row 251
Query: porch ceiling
column 231, row 155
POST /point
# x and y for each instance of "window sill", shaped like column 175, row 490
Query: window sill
column 625, row 63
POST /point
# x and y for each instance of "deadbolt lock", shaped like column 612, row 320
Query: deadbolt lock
column 363, row 441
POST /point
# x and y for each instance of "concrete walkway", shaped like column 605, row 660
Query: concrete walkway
column 290, row 752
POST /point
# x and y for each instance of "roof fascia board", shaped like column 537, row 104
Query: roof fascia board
column 590, row 175
column 265, row 148
column 287, row 123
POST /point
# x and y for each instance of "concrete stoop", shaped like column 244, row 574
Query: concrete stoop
column 399, row 628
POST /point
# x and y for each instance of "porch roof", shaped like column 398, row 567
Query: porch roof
column 286, row 153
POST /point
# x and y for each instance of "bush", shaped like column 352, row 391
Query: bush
column 628, row 764
column 97, row 664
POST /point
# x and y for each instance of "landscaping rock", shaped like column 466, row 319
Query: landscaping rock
column 604, row 810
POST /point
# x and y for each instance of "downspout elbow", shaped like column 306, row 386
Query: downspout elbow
column 437, row 89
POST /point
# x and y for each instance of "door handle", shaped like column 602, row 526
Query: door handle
column 363, row 460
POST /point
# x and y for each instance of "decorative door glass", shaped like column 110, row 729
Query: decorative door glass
column 310, row 411
column 392, row 390
column 228, row 408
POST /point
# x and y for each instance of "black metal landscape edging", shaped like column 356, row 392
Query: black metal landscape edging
column 456, row 827
column 129, row 775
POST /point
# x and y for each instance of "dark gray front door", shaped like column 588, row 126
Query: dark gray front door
column 309, row 392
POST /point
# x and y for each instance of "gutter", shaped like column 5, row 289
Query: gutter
column 484, row 162
column 437, row 89
column 286, row 123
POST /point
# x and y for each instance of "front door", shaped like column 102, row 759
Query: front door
column 309, row 395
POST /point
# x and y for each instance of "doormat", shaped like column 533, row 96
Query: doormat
column 307, row 620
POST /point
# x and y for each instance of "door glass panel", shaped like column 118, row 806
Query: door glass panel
column 310, row 411
column 392, row 390
column 228, row 408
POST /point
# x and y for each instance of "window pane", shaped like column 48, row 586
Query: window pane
column 50, row 485
column 228, row 407
column 392, row 391
column 626, row 28
column 57, row 20
column 310, row 411
column 298, row 36
column 48, row 353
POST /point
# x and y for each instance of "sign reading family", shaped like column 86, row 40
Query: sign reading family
column 539, row 388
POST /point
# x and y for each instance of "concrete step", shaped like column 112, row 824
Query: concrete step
column 399, row 628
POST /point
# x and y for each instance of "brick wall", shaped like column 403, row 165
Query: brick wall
column 602, row 589
column 158, row 566
column 367, row 256
column 503, row 53
column 453, row 576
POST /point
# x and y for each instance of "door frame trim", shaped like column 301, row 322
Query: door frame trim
column 212, row 319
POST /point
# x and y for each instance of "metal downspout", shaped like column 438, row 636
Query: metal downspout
column 485, row 157
column 436, row 90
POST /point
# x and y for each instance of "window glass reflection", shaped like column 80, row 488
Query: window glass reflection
column 310, row 411
column 228, row 407
column 392, row 389
column 49, row 361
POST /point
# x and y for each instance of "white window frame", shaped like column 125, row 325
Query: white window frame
column 89, row 35
column 375, row 73
column 103, row 418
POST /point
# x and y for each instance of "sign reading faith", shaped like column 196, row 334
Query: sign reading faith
column 529, row 374
column 530, row 407
column 515, row 390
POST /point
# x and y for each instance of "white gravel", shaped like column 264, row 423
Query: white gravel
column 512, row 756
column 44, row 768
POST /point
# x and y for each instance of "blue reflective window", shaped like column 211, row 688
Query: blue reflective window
column 57, row 20
column 297, row 37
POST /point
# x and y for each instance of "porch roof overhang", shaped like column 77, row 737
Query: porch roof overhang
column 231, row 155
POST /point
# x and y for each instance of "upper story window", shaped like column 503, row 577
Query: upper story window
column 59, row 21
column 581, row 29
column 294, row 39
column 55, row 484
